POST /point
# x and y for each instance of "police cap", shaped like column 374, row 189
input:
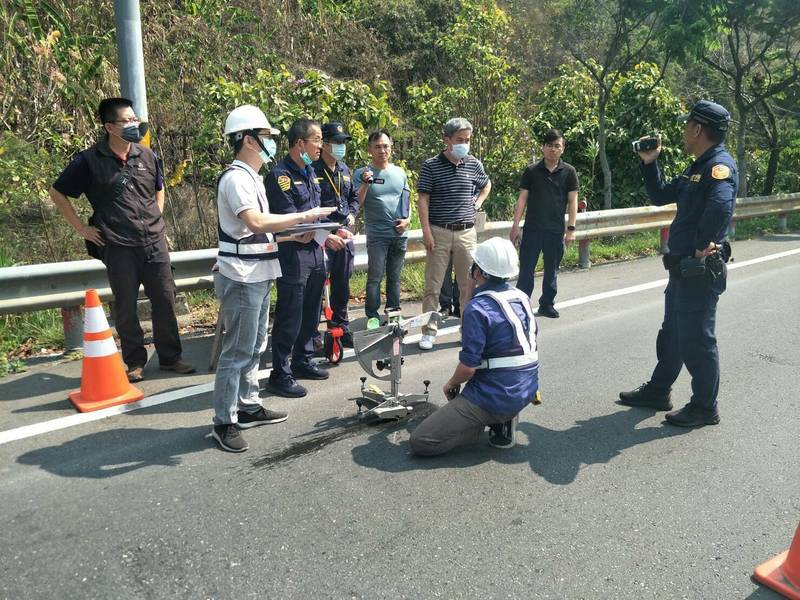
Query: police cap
column 335, row 132
column 708, row 113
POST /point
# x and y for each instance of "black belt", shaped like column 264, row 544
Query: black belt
column 454, row 226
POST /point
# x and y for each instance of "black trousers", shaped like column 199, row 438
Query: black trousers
column 128, row 267
column 534, row 243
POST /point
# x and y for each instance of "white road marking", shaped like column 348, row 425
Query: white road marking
column 27, row 431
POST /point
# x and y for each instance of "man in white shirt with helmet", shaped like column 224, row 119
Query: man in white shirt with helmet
column 247, row 265
column 498, row 363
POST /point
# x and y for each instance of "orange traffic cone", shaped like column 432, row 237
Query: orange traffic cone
column 782, row 573
column 103, row 379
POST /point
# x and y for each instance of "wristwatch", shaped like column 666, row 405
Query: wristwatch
column 571, row 227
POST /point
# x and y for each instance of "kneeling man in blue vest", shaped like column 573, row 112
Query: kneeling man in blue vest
column 498, row 364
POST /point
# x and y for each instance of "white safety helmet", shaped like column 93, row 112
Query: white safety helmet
column 497, row 256
column 247, row 118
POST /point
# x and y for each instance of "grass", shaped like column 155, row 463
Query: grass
column 28, row 333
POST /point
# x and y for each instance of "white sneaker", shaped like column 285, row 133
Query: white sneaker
column 426, row 342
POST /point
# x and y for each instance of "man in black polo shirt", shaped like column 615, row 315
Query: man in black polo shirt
column 452, row 186
column 123, row 182
column 548, row 188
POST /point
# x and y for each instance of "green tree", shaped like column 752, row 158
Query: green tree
column 482, row 86
column 753, row 45
column 638, row 104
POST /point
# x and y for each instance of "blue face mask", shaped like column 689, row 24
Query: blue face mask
column 460, row 150
column 338, row 151
column 271, row 150
column 306, row 159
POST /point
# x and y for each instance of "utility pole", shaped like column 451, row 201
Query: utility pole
column 130, row 55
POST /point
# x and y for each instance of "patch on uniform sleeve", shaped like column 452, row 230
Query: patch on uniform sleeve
column 284, row 182
column 695, row 178
column 720, row 172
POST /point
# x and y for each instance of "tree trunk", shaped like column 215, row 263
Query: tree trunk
column 741, row 153
column 602, row 100
column 772, row 170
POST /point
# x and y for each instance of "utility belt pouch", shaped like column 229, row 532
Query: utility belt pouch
column 715, row 265
column 692, row 267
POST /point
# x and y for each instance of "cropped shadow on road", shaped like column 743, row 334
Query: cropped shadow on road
column 119, row 451
column 37, row 384
column 555, row 455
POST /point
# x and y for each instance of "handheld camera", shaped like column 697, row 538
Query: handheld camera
column 645, row 144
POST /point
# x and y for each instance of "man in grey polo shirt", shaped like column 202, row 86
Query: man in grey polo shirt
column 452, row 186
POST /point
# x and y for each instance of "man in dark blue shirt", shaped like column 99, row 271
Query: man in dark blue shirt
column 498, row 361
column 338, row 191
column 292, row 187
column 705, row 194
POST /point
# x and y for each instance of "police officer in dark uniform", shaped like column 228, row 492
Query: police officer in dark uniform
column 336, row 185
column 292, row 187
column 705, row 194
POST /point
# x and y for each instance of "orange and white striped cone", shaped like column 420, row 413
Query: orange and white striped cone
column 104, row 382
column 782, row 573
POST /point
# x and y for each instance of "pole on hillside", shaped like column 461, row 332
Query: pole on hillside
column 130, row 55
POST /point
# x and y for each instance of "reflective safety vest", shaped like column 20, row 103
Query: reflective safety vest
column 258, row 246
column 530, row 354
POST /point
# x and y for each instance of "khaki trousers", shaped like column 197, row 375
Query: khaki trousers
column 456, row 423
column 460, row 244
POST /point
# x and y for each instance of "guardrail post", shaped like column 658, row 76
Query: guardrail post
column 583, row 254
column 583, row 245
column 73, row 328
column 664, row 233
column 732, row 230
column 783, row 226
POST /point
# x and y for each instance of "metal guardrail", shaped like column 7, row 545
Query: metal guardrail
column 62, row 285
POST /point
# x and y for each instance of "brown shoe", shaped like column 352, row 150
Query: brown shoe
column 135, row 374
column 183, row 368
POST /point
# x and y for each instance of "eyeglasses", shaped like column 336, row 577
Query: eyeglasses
column 128, row 121
column 316, row 140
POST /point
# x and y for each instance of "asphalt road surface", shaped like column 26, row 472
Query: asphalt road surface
column 597, row 500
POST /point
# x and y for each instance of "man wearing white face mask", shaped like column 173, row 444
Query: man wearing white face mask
column 247, row 265
column 452, row 186
column 337, row 191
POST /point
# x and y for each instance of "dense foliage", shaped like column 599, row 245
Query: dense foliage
column 407, row 65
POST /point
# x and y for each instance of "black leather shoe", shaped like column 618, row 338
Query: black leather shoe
column 286, row 388
column 548, row 311
column 645, row 395
column 309, row 371
column 692, row 416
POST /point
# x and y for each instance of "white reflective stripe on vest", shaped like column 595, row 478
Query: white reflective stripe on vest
column 527, row 343
column 94, row 320
column 98, row 348
column 244, row 249
column 501, row 362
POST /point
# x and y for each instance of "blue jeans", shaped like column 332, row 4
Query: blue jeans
column 384, row 255
column 244, row 310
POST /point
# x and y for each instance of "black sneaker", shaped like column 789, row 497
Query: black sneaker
column 647, row 396
column 309, row 371
column 503, row 435
column 692, row 416
column 286, row 388
column 262, row 417
column 229, row 438
column 548, row 311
